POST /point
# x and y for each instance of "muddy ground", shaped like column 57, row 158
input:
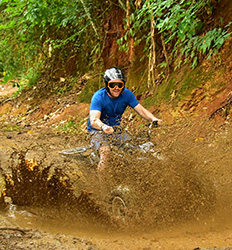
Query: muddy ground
column 182, row 200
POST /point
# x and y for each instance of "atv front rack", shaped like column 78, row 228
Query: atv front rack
column 81, row 153
column 85, row 151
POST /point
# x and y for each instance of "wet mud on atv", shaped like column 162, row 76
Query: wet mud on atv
column 141, row 180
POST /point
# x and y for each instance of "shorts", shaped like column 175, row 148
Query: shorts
column 99, row 138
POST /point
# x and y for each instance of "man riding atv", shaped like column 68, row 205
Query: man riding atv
column 107, row 107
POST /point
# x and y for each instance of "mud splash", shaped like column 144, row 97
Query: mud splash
column 159, row 192
column 32, row 185
column 189, row 191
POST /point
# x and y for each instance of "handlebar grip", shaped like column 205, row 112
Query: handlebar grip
column 155, row 123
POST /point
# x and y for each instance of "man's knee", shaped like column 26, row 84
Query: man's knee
column 104, row 150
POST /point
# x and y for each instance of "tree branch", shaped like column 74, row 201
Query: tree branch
column 89, row 16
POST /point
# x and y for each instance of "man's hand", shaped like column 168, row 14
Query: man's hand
column 107, row 129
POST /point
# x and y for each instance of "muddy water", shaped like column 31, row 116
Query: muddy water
column 207, row 232
column 182, row 202
column 185, row 236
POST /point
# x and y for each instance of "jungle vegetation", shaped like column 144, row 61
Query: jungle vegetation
column 50, row 35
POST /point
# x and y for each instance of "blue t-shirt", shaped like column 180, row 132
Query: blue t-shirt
column 111, row 109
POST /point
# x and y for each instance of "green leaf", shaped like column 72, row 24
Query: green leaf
column 195, row 62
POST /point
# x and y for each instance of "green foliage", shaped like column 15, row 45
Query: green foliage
column 70, row 127
column 208, row 44
column 47, row 34
column 181, row 25
column 68, row 36
column 11, row 128
column 92, row 85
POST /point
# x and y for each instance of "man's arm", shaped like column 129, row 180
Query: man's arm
column 97, row 123
column 146, row 114
column 95, row 119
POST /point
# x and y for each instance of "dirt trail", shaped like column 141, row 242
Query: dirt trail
column 7, row 89
column 183, row 202
column 199, row 169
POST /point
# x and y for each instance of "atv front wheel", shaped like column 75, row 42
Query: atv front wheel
column 119, row 208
